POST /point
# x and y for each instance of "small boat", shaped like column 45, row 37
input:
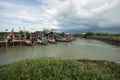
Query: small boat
column 41, row 42
column 51, row 39
column 63, row 39
column 28, row 42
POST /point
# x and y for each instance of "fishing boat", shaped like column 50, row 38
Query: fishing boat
column 42, row 42
column 51, row 39
column 63, row 39
column 28, row 42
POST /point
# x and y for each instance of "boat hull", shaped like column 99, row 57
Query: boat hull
column 29, row 43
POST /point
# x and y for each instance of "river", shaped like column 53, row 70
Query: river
column 78, row 49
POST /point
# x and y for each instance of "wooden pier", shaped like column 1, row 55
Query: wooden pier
column 11, row 43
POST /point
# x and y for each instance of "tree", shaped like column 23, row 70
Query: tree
column 89, row 34
column 21, row 32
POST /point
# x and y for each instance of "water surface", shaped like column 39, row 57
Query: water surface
column 78, row 49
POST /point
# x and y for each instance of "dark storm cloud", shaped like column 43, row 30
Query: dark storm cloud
column 104, row 18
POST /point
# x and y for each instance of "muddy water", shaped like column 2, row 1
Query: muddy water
column 78, row 49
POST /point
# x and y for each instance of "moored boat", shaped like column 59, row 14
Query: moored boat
column 41, row 42
column 63, row 39
column 51, row 39
column 28, row 42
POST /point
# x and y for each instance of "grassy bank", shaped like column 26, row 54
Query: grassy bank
column 59, row 69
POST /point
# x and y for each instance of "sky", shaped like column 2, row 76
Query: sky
column 76, row 16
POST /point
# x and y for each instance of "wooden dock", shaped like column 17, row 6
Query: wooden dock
column 11, row 43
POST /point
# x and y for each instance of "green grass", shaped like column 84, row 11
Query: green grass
column 60, row 69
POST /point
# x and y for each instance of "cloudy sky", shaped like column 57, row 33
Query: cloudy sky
column 63, row 15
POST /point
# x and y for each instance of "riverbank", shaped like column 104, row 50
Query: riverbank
column 60, row 69
column 115, row 41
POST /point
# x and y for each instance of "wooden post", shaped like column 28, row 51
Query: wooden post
column 19, row 37
column 6, row 43
column 4, row 36
column 0, row 44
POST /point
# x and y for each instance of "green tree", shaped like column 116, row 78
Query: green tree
column 89, row 34
column 21, row 32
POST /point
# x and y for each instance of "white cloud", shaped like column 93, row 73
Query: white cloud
column 61, row 14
